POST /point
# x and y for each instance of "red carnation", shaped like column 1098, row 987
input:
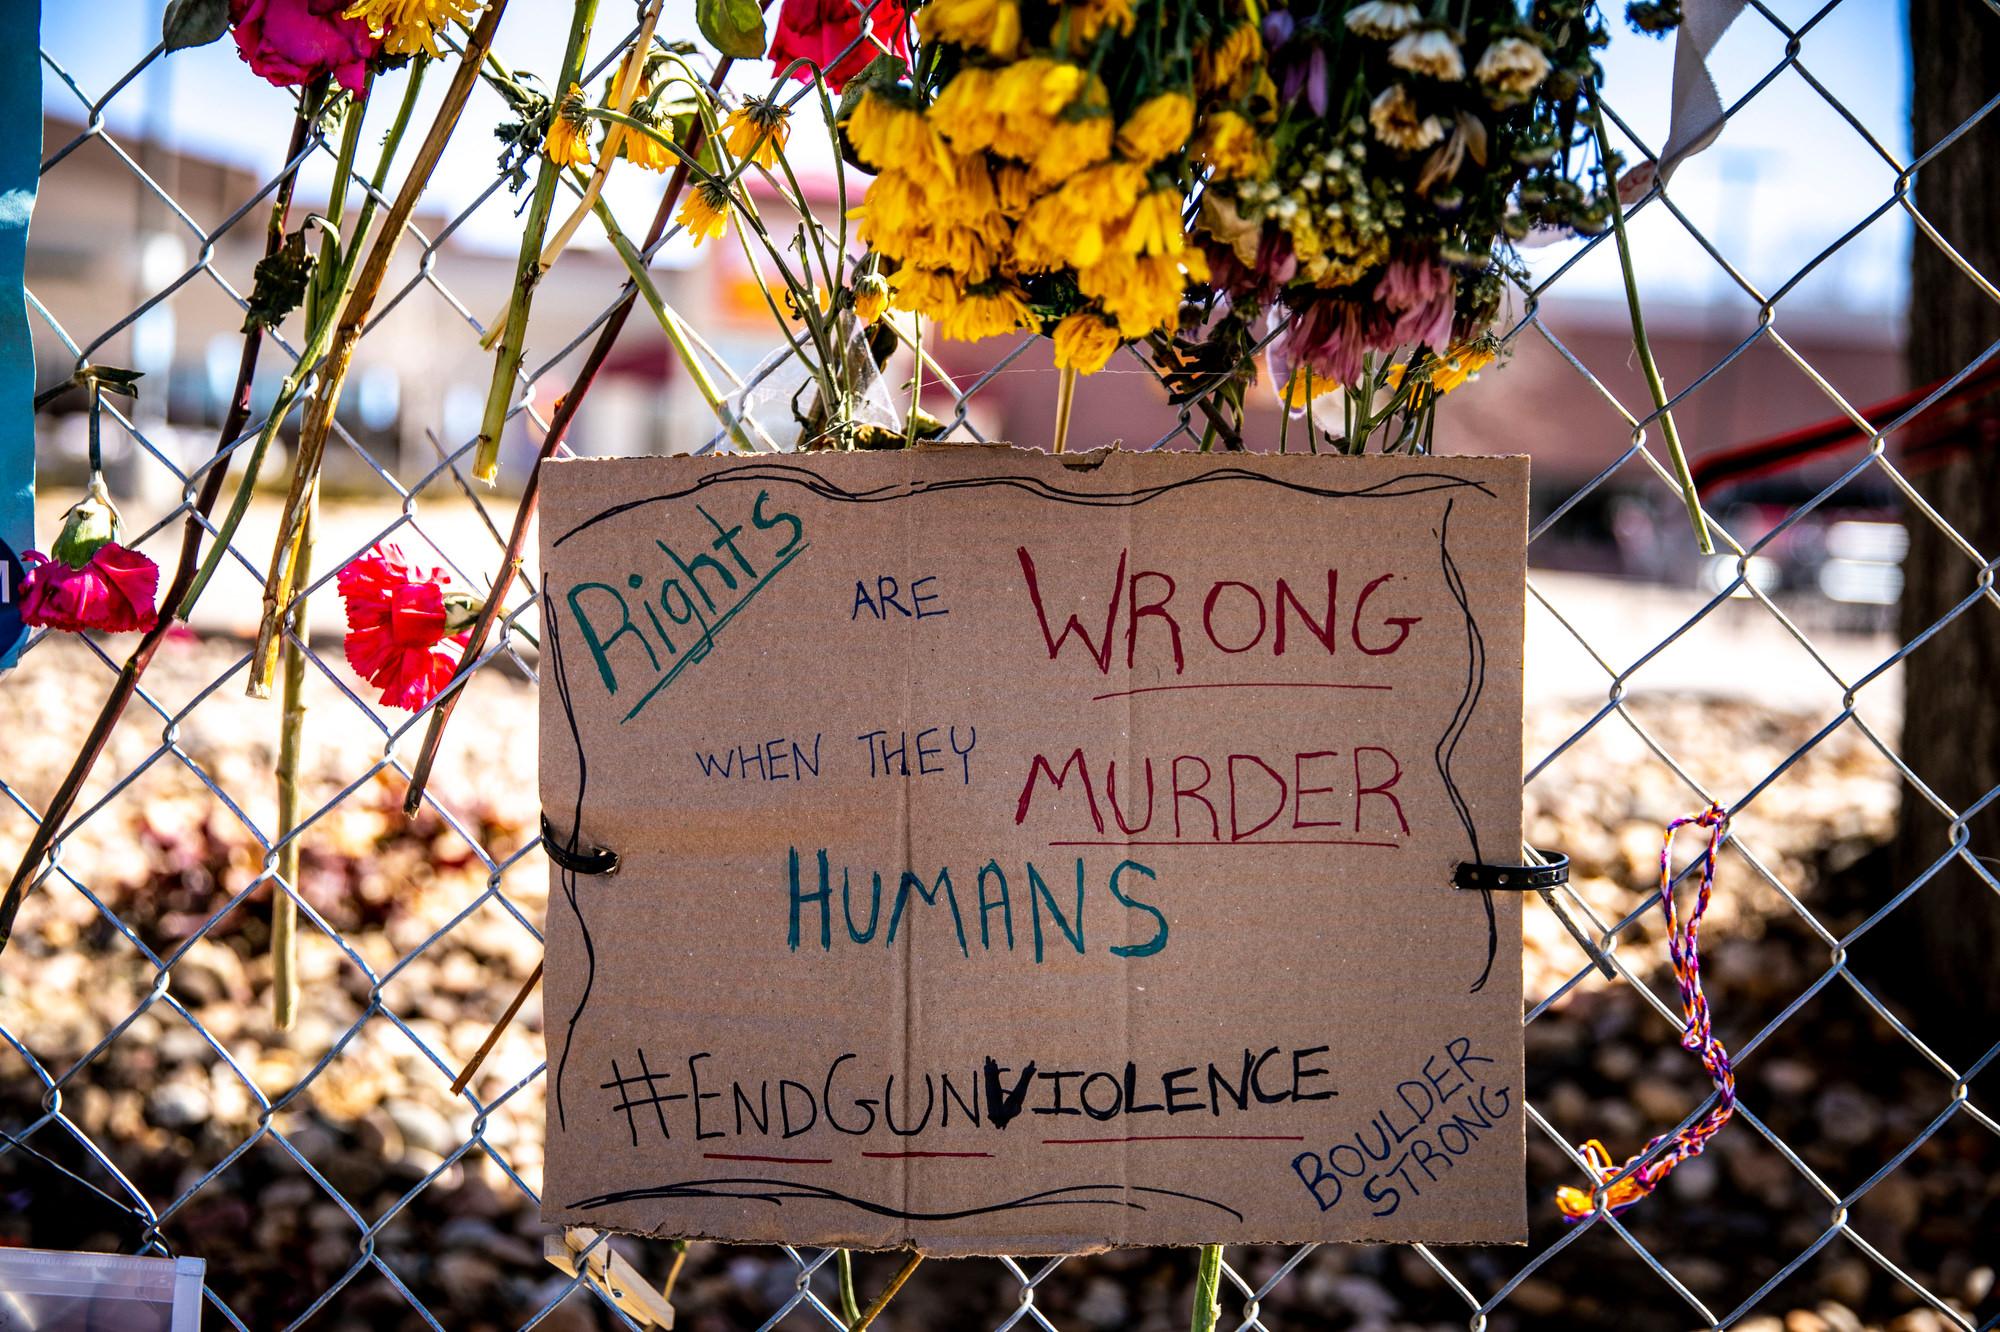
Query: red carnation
column 112, row 592
column 821, row 30
column 405, row 633
column 292, row 42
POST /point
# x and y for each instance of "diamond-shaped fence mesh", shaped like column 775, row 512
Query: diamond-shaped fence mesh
column 148, row 1103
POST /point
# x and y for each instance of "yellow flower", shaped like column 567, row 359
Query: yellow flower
column 1241, row 50
column 406, row 27
column 567, row 141
column 1459, row 365
column 886, row 134
column 1084, row 342
column 1157, row 126
column 965, row 112
column 705, row 213
column 1087, row 18
column 1230, row 146
column 1071, row 145
column 1011, row 190
column 757, row 131
column 643, row 150
column 992, row 24
column 1304, row 386
column 1000, row 308
column 925, row 290
column 871, row 297
column 1143, row 294
column 1066, row 229
column 1155, row 225
column 1036, row 86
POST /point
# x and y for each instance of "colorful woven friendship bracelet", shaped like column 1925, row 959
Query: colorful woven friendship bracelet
column 1631, row 1184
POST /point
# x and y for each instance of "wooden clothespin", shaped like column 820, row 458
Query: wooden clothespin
column 607, row 1269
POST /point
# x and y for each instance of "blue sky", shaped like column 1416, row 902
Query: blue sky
column 1788, row 177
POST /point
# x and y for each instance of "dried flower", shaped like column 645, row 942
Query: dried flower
column 1382, row 19
column 1231, row 146
column 1512, row 67
column 87, row 580
column 1393, row 115
column 410, row 27
column 1431, row 52
column 567, row 141
column 758, row 130
column 1417, row 292
column 292, row 42
column 405, row 632
column 1084, row 342
column 705, row 212
column 871, row 297
column 1157, row 126
column 991, row 25
column 836, row 38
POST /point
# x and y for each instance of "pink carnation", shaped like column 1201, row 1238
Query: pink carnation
column 114, row 592
column 399, row 635
column 1419, row 294
column 292, row 42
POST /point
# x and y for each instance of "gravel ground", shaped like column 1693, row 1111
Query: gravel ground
column 446, row 942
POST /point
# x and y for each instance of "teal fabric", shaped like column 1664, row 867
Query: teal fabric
column 20, row 165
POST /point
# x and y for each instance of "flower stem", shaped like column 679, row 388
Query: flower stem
column 524, row 514
column 192, row 530
column 282, row 579
column 621, row 97
column 1065, row 399
column 881, row 1302
column 1207, row 1290
column 318, row 334
column 1682, row 472
column 843, row 1268
column 527, row 268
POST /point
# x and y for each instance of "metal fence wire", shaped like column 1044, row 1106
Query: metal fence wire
column 235, row 1144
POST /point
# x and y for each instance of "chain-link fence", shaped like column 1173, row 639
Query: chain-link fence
column 330, row 1178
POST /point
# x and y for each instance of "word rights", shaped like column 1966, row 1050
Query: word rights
column 1032, row 854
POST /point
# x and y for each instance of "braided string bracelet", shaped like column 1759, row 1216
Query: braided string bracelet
column 1683, row 948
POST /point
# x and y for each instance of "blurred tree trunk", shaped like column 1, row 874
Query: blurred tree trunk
column 1951, row 729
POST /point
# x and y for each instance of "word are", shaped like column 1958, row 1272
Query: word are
column 1229, row 797
column 1231, row 617
column 1440, row 1114
column 886, row 759
column 992, row 902
column 691, row 1097
column 887, row 595
column 776, row 760
column 699, row 586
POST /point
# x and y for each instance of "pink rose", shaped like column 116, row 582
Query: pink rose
column 114, row 592
column 293, row 42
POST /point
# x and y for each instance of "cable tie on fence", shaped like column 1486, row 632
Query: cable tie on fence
column 1622, row 1186
column 1477, row 876
column 577, row 859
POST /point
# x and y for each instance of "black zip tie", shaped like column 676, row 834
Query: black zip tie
column 1472, row 876
column 577, row 860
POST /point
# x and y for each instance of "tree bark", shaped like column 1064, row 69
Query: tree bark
column 1951, row 684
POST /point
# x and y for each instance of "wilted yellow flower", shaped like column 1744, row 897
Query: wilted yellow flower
column 407, row 27
column 966, row 112
column 1087, row 18
column 1084, row 342
column 643, row 150
column 1155, row 225
column 758, row 130
column 1143, row 294
column 1011, row 190
column 871, row 297
column 1241, row 50
column 1304, row 386
column 1230, row 145
column 924, row 290
column 1157, row 126
column 987, row 312
column 992, row 24
column 887, row 135
column 567, row 141
column 1459, row 365
column 1071, row 144
column 1037, row 86
column 705, row 213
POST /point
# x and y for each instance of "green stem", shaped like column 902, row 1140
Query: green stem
column 1207, row 1290
column 319, row 331
column 850, row 1307
column 1682, row 472
column 527, row 268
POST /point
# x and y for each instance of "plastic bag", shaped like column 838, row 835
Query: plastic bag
column 46, row 1291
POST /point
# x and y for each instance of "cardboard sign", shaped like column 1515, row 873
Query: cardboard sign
column 1021, row 854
